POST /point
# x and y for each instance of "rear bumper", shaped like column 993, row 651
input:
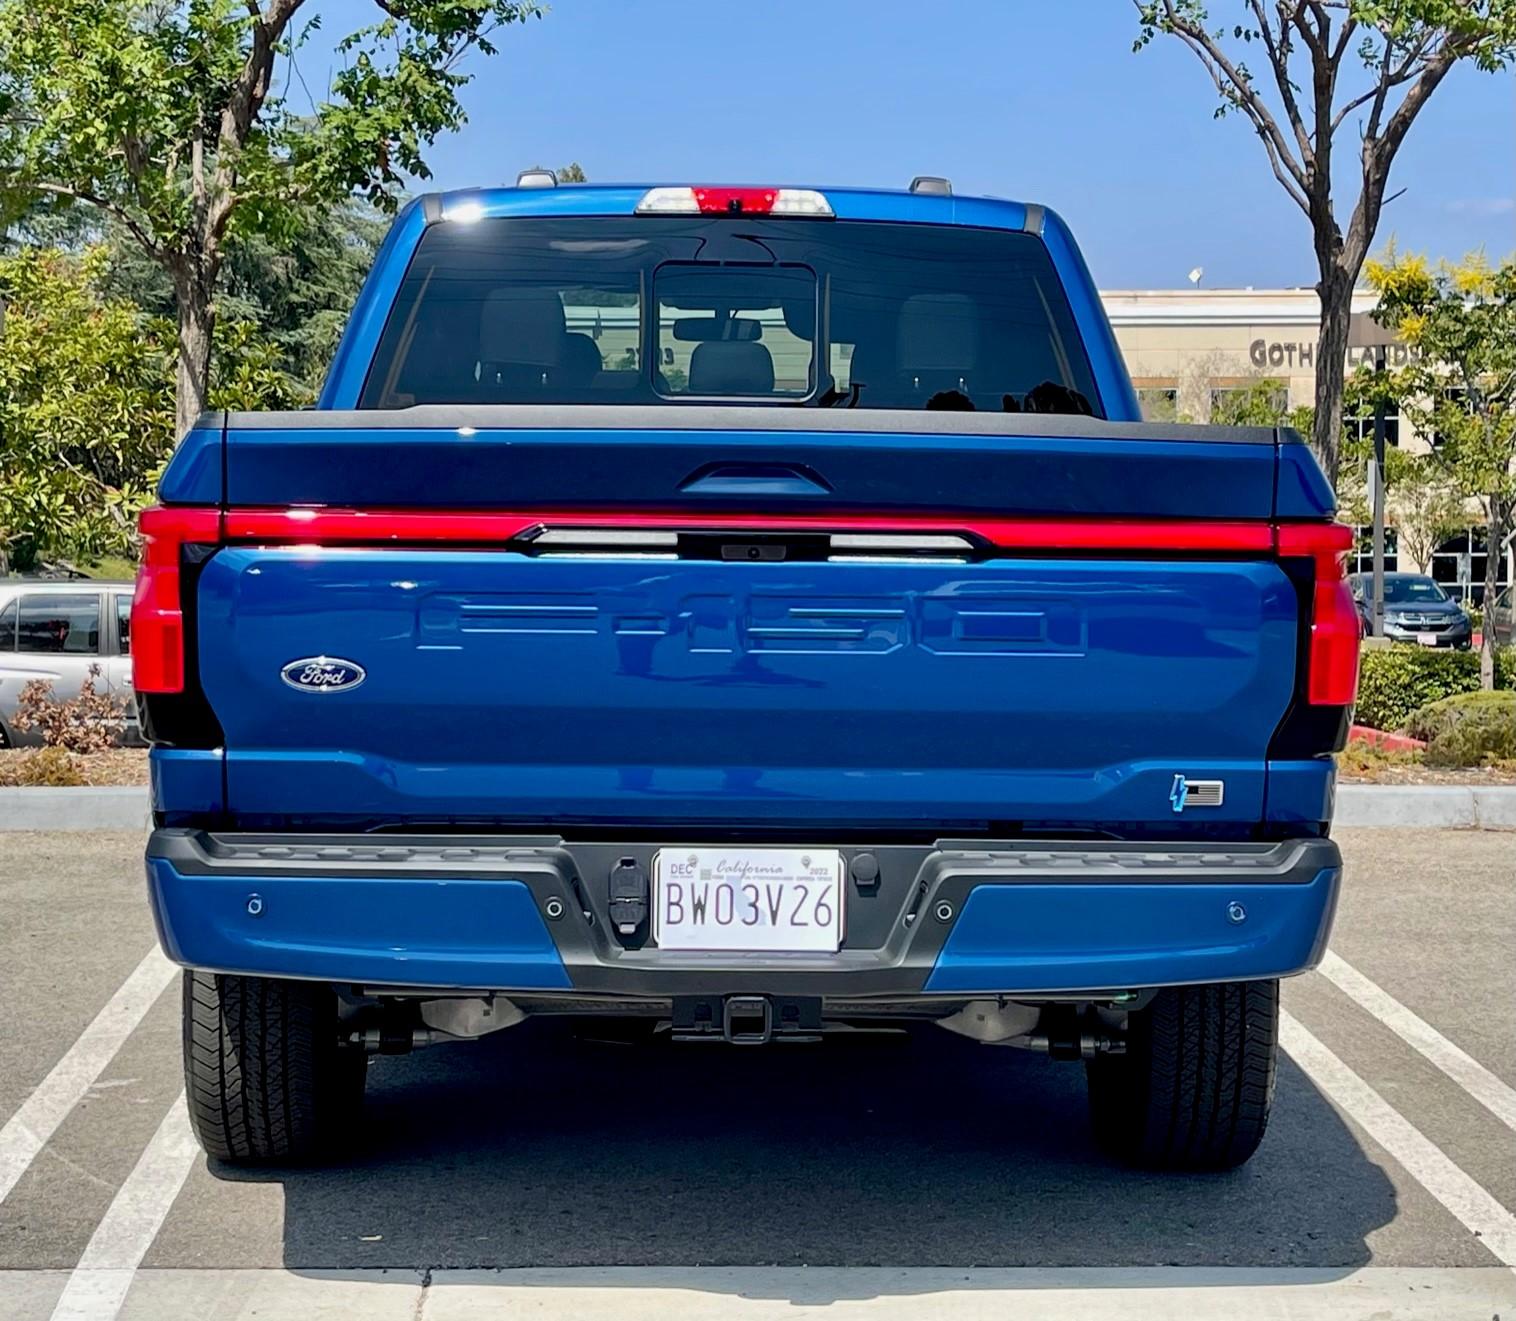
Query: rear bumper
column 954, row 918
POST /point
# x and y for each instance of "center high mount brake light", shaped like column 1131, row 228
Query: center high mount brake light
column 709, row 201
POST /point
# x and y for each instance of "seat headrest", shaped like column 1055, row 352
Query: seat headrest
column 581, row 358
column 731, row 367
column 938, row 333
column 522, row 325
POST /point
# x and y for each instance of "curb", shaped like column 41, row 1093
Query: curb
column 123, row 807
column 1492, row 808
column 1424, row 805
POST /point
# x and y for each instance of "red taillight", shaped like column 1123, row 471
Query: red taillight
column 157, row 609
column 1333, row 675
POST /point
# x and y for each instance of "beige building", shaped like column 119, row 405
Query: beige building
column 1185, row 348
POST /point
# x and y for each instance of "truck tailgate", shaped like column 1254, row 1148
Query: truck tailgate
column 1016, row 674
column 504, row 687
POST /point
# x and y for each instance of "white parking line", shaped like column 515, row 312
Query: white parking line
column 1425, row 1162
column 27, row 1131
column 99, row 1283
column 1420, row 1035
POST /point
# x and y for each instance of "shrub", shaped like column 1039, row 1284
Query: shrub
column 1467, row 730
column 51, row 767
column 1395, row 681
column 90, row 722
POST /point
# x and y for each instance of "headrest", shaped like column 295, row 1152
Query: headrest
column 731, row 367
column 581, row 358
column 522, row 325
column 938, row 332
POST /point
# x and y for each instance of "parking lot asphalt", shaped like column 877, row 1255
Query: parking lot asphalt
column 887, row 1167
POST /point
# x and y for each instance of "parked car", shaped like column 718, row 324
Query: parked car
column 57, row 631
column 1416, row 609
column 873, row 663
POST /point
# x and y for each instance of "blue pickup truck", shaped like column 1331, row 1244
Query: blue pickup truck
column 756, row 612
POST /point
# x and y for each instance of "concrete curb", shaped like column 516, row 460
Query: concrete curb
column 113, row 808
column 1492, row 808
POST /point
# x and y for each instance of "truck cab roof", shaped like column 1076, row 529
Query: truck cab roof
column 847, row 203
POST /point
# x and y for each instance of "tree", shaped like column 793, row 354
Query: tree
column 295, row 292
column 1421, row 503
column 87, row 404
column 1405, row 49
column 162, row 114
column 1260, row 403
column 1460, row 386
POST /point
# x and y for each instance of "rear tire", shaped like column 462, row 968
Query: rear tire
column 1194, row 1088
column 264, row 1073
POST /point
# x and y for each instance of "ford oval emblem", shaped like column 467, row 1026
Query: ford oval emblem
column 323, row 674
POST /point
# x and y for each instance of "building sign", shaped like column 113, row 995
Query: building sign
column 1282, row 353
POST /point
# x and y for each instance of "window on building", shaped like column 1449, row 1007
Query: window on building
column 1159, row 403
column 1360, row 426
column 1363, row 551
column 1459, row 565
column 57, row 622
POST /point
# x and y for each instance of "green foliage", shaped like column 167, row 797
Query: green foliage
column 1397, row 680
column 87, row 405
column 1461, row 385
column 295, row 291
column 1470, row 729
column 172, row 120
column 1260, row 403
column 86, row 409
column 1421, row 503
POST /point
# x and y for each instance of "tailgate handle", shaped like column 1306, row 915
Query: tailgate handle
column 754, row 479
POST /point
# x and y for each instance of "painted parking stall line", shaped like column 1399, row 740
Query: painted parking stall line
column 1421, row 1036
column 99, row 1283
column 28, row 1130
column 1479, row 1212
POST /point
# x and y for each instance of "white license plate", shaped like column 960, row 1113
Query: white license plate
column 763, row 900
column 1427, row 639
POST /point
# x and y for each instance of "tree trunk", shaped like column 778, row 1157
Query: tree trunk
column 1336, row 293
column 1499, row 520
column 197, row 320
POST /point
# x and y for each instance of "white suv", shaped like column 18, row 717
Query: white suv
column 56, row 631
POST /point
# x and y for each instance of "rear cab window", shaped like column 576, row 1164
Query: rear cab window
column 654, row 310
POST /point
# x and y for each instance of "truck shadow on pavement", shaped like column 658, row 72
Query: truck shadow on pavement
column 532, row 1148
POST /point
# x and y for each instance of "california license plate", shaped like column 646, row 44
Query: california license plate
column 1427, row 639
column 751, row 900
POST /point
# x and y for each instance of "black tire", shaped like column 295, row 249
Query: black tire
column 264, row 1073
column 1194, row 1088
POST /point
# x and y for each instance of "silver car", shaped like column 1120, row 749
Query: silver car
column 56, row 631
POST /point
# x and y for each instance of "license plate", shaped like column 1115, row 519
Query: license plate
column 751, row 900
column 1427, row 639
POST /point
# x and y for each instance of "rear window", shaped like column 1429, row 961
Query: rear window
column 665, row 309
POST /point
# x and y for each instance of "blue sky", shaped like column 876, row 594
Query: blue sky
column 1018, row 98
